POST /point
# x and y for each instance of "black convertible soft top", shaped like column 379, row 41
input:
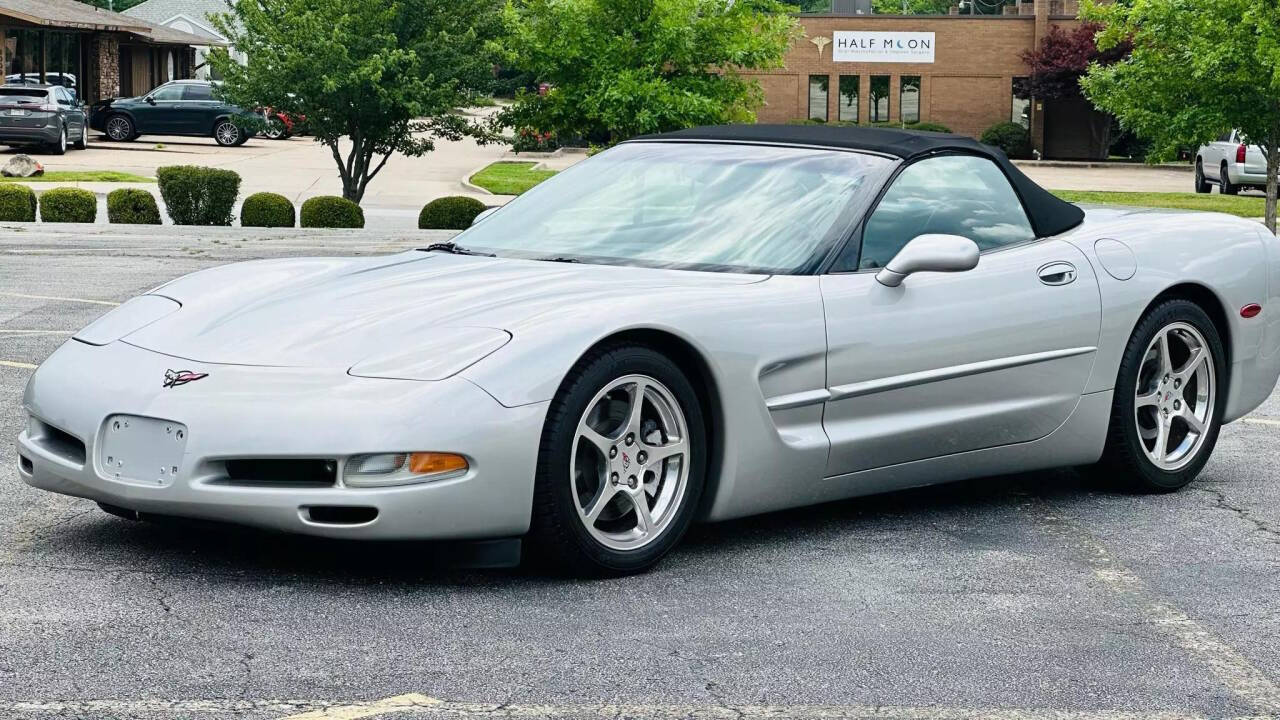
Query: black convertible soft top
column 1048, row 214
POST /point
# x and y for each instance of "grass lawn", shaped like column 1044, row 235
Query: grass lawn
column 82, row 176
column 1246, row 207
column 510, row 178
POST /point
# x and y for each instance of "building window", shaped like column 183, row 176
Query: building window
column 818, row 85
column 879, row 99
column 849, row 98
column 909, row 99
column 1021, row 113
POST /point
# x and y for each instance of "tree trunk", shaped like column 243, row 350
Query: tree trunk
column 1273, row 171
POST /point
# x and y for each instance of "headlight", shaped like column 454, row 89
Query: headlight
column 129, row 317
column 449, row 351
column 390, row 469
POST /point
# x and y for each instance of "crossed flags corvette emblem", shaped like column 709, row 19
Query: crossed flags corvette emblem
column 174, row 378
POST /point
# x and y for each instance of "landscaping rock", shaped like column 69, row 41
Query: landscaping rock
column 22, row 166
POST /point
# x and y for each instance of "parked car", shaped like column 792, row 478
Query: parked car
column 181, row 107
column 47, row 115
column 706, row 324
column 1231, row 163
column 66, row 80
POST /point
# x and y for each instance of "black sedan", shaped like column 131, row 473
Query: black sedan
column 181, row 107
column 47, row 115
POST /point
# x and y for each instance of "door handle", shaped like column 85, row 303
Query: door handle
column 1057, row 273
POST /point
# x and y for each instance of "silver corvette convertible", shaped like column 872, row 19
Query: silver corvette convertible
column 693, row 326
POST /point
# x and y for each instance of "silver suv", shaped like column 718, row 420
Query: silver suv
column 1230, row 163
column 48, row 115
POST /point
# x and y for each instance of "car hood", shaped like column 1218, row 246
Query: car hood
column 336, row 312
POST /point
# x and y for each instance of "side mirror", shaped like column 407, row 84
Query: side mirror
column 930, row 253
column 150, row 100
column 484, row 214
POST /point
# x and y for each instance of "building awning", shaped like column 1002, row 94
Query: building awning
column 69, row 14
column 75, row 15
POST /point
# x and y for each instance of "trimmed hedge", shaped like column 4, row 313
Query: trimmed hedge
column 198, row 195
column 449, row 213
column 331, row 211
column 17, row 203
column 132, row 206
column 926, row 126
column 1010, row 137
column 267, row 210
column 68, row 205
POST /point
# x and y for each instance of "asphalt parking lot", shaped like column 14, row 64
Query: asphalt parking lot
column 1045, row 595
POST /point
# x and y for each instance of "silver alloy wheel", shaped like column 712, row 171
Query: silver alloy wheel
column 118, row 128
column 84, row 136
column 275, row 129
column 62, row 140
column 1175, row 395
column 629, row 467
column 227, row 133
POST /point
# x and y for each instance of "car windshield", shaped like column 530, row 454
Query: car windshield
column 702, row 206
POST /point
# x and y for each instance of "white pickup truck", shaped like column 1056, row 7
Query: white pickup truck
column 1231, row 164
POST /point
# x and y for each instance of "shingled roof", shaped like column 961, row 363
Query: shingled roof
column 74, row 15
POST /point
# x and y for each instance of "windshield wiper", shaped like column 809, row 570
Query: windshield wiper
column 455, row 249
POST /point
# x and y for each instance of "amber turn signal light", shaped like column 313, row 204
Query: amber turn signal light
column 427, row 463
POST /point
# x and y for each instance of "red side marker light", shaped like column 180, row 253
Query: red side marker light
column 1250, row 310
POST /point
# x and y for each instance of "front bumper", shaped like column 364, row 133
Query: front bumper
column 241, row 412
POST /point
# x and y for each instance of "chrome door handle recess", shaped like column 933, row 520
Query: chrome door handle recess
column 1057, row 273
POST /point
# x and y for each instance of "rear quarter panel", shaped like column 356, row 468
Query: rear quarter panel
column 1235, row 259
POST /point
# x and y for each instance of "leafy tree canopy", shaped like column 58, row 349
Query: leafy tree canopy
column 1062, row 59
column 372, row 77
column 618, row 68
column 1196, row 71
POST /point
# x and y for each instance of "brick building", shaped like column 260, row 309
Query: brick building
column 954, row 70
column 96, row 53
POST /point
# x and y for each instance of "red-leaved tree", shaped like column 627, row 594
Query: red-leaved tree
column 1056, row 68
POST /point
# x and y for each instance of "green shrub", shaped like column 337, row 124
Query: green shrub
column 267, row 210
column 331, row 211
column 449, row 213
column 1010, row 137
column 131, row 206
column 928, row 127
column 17, row 203
column 68, row 205
column 198, row 195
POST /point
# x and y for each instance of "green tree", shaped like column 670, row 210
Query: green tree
column 373, row 77
column 1195, row 72
column 617, row 68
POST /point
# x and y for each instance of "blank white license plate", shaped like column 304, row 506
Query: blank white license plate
column 142, row 449
column 15, row 111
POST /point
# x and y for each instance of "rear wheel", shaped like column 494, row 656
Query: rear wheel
column 621, row 465
column 120, row 128
column 1228, row 188
column 1202, row 185
column 227, row 134
column 1169, row 396
column 275, row 129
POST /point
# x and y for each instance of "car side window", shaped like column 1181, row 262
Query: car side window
column 953, row 195
column 167, row 93
column 197, row 92
column 60, row 96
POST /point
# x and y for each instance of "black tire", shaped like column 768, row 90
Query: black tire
column 1225, row 184
column 558, row 538
column 1125, row 454
column 119, row 128
column 227, row 134
column 82, row 143
column 60, row 147
column 276, row 130
column 1202, row 185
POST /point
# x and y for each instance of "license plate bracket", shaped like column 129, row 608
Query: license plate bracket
column 142, row 450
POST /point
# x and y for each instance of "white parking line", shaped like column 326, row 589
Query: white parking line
column 399, row 703
column 327, row 710
column 56, row 297
column 15, row 364
column 1261, row 421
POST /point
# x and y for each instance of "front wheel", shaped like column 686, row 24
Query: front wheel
column 621, row 465
column 227, row 134
column 275, row 130
column 1169, row 397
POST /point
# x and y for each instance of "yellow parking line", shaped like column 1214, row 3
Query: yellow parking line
column 15, row 364
column 57, row 297
column 399, row 703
